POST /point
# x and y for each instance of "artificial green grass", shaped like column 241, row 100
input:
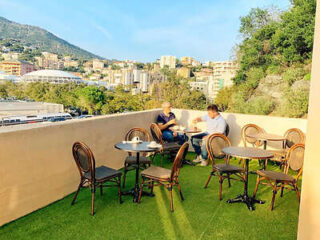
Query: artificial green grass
column 200, row 216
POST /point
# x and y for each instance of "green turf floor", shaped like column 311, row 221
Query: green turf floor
column 200, row 216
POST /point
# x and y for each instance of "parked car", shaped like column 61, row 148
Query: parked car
column 84, row 116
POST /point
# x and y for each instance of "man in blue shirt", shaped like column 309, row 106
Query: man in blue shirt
column 166, row 121
column 215, row 124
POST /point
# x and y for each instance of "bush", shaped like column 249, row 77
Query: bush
column 274, row 69
column 261, row 105
column 293, row 74
column 295, row 103
column 254, row 77
column 307, row 77
column 224, row 98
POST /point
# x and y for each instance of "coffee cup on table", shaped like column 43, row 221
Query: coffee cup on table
column 153, row 144
column 135, row 139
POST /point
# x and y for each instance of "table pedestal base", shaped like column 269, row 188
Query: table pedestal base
column 247, row 200
column 135, row 193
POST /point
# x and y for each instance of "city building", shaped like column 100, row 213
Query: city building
column 169, row 61
column 196, row 63
column 200, row 86
column 16, row 67
column 71, row 63
column 144, row 82
column 15, row 108
column 186, row 60
column 49, row 61
column 183, row 72
column 51, row 76
column 6, row 77
column 97, row 65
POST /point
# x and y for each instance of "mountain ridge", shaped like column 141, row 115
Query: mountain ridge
column 44, row 40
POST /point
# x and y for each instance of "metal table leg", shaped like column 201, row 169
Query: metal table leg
column 245, row 198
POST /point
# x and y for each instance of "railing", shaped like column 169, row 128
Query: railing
column 37, row 167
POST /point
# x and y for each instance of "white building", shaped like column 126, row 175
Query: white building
column 136, row 76
column 51, row 76
column 144, row 82
column 169, row 61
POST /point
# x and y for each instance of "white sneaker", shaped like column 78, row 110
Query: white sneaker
column 197, row 160
column 204, row 163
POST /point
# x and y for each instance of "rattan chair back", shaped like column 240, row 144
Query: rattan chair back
column 295, row 158
column 175, row 170
column 215, row 143
column 84, row 159
column 294, row 136
column 251, row 129
column 138, row 132
column 156, row 133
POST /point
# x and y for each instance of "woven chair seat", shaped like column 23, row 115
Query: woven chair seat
column 171, row 146
column 227, row 168
column 157, row 172
column 103, row 172
column 142, row 160
column 277, row 176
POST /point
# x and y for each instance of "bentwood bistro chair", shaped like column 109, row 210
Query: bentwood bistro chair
column 131, row 160
column 251, row 129
column 167, row 147
column 293, row 136
column 91, row 176
column 215, row 143
column 282, row 180
column 165, row 177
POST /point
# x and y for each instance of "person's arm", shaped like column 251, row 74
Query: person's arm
column 199, row 119
column 165, row 125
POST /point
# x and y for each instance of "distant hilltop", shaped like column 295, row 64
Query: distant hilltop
column 42, row 39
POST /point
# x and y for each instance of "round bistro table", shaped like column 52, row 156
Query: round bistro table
column 247, row 153
column 265, row 137
column 137, row 148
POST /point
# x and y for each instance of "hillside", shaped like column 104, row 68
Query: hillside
column 41, row 39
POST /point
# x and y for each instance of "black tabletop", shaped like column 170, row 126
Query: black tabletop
column 247, row 152
column 135, row 147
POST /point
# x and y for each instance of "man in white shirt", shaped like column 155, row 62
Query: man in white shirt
column 215, row 124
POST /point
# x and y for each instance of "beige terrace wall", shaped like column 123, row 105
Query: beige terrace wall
column 276, row 125
column 309, row 217
column 37, row 166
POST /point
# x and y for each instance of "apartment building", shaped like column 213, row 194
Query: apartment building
column 186, row 60
column 97, row 65
column 183, row 72
column 169, row 61
column 16, row 67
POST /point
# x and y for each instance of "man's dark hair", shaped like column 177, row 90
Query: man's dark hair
column 213, row 108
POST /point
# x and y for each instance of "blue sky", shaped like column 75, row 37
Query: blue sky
column 141, row 30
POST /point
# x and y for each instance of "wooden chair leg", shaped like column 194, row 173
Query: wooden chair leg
column 274, row 192
column 207, row 183
column 124, row 175
column 93, row 191
column 281, row 194
column 171, row 198
column 229, row 180
column 141, row 189
column 220, row 187
column 256, row 187
column 76, row 194
column 179, row 188
column 101, row 190
column 297, row 191
column 119, row 189
column 151, row 189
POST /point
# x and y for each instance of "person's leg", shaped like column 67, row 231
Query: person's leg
column 182, row 138
column 167, row 136
column 196, row 142
column 204, row 153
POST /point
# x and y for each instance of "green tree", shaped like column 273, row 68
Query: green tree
column 90, row 99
